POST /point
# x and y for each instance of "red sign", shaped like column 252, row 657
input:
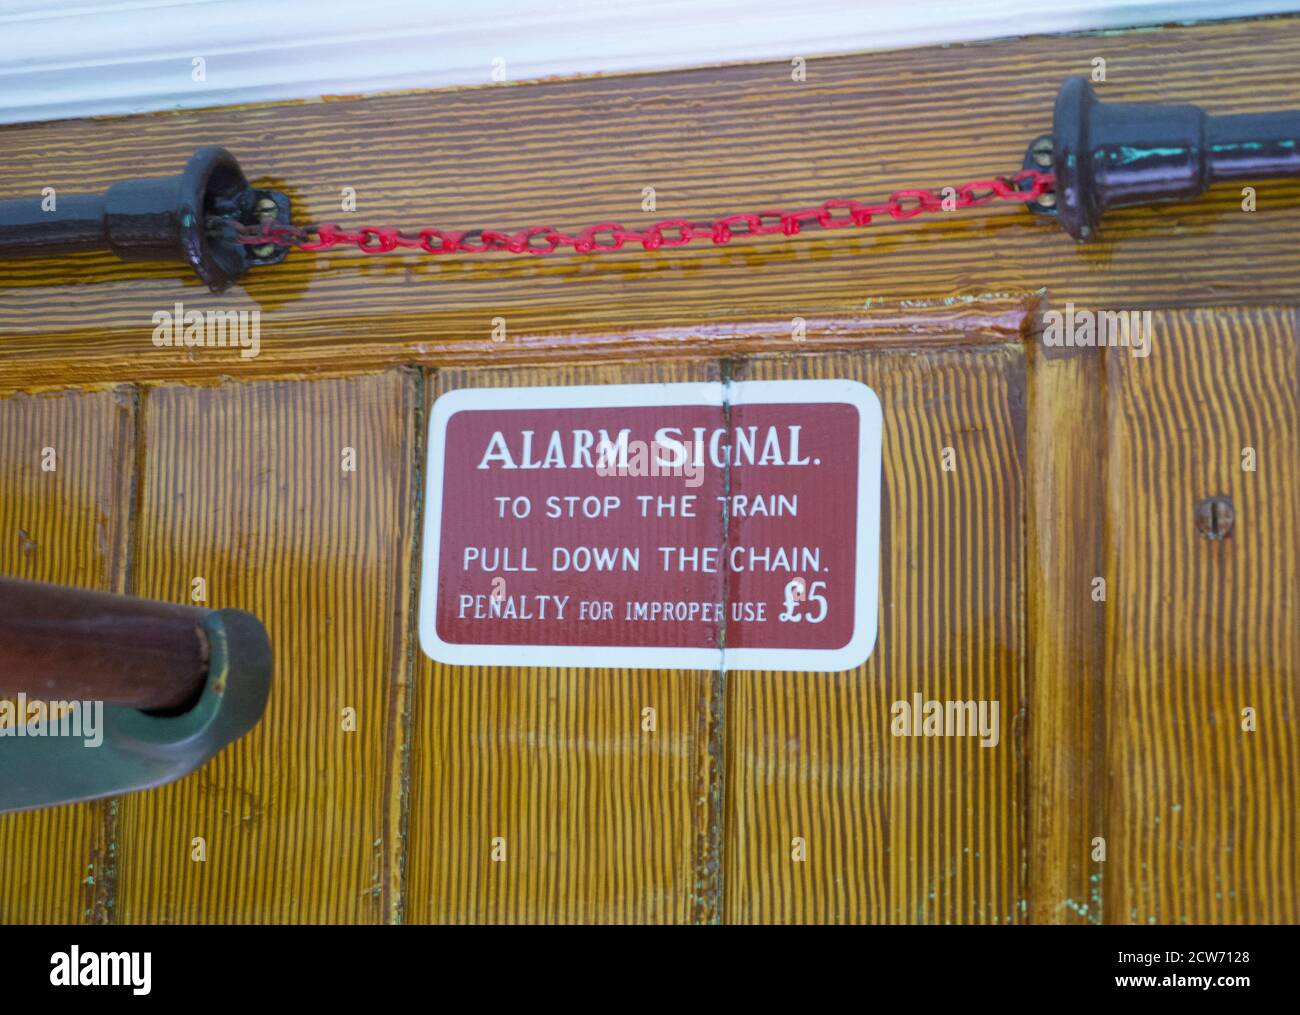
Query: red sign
column 689, row 526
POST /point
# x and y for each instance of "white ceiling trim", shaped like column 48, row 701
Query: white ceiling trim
column 65, row 58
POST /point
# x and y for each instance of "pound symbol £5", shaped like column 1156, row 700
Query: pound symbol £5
column 798, row 592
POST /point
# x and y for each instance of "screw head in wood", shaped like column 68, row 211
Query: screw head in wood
column 1215, row 517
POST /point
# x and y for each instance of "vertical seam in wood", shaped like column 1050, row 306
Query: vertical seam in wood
column 395, row 884
column 1021, row 421
column 1112, row 492
column 135, row 489
column 129, row 496
column 1098, row 784
column 710, row 872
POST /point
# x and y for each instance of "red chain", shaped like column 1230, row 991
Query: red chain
column 607, row 236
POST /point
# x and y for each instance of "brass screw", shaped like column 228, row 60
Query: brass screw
column 266, row 213
column 1043, row 152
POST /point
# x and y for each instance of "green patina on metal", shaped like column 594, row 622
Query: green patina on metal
column 141, row 750
column 1130, row 154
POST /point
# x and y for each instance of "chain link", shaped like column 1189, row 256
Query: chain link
column 1026, row 186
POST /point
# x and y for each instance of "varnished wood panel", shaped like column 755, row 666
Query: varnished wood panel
column 601, row 822
column 901, row 829
column 1201, row 816
column 1066, row 447
column 68, row 525
column 244, row 485
column 711, row 141
column 980, row 568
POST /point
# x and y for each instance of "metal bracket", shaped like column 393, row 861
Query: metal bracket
column 141, row 750
column 1108, row 155
column 168, row 218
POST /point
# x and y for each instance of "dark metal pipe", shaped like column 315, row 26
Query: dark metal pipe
column 1253, row 146
column 1118, row 154
column 77, row 224
column 169, row 218
column 69, row 644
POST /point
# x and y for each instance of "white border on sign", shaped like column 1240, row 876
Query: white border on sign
column 870, row 437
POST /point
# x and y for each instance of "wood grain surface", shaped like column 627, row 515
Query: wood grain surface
column 710, row 141
column 1065, row 546
column 67, row 465
column 243, row 485
column 600, row 820
column 1119, row 720
column 1201, row 815
column 901, row 829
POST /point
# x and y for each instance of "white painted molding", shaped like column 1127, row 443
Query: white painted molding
column 63, row 58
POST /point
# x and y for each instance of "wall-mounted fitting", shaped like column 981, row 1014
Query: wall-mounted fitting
column 169, row 218
column 1118, row 154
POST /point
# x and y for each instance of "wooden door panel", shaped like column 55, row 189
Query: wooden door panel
column 64, row 517
column 601, row 822
column 1201, row 816
column 244, row 486
column 901, row 829
column 1120, row 718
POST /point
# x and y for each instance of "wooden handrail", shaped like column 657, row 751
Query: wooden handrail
column 63, row 644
